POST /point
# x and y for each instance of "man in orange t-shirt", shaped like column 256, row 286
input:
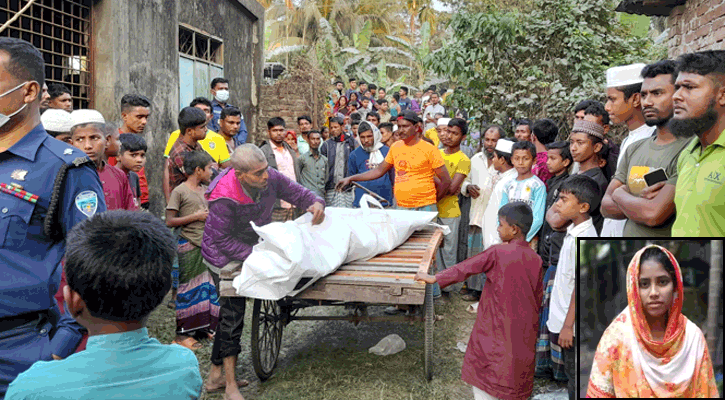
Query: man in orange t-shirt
column 416, row 163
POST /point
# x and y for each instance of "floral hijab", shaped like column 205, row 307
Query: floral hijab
column 630, row 363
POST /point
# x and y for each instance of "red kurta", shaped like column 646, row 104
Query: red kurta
column 116, row 189
column 501, row 351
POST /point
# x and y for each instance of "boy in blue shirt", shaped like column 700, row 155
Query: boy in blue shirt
column 526, row 187
column 118, row 267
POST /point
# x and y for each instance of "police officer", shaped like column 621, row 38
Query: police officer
column 46, row 187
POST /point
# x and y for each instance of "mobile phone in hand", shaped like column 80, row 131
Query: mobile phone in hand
column 655, row 176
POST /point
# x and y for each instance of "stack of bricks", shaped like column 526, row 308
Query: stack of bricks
column 697, row 25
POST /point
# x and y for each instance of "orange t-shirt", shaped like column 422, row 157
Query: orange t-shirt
column 414, row 172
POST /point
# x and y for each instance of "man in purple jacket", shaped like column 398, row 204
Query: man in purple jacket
column 244, row 193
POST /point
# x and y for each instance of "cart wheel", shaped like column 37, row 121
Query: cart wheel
column 429, row 321
column 267, row 325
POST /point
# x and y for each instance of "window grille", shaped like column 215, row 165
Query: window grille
column 199, row 46
column 61, row 30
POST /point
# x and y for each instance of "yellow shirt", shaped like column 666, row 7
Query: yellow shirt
column 414, row 171
column 432, row 134
column 213, row 143
column 456, row 163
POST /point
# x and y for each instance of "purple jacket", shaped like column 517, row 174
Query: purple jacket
column 228, row 234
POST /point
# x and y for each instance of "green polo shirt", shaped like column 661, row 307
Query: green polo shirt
column 700, row 193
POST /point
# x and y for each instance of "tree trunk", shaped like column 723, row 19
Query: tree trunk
column 713, row 300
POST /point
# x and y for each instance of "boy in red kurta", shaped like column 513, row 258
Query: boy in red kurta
column 499, row 362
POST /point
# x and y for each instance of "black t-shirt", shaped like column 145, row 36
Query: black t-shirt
column 550, row 241
column 598, row 176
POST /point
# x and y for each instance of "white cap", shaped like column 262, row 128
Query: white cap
column 395, row 128
column 504, row 146
column 56, row 120
column 443, row 121
column 625, row 75
column 87, row 117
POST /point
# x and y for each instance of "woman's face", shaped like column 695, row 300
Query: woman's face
column 656, row 289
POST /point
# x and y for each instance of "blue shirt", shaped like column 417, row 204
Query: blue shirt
column 128, row 365
column 30, row 266
column 357, row 164
column 241, row 137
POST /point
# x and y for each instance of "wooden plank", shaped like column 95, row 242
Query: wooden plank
column 379, row 267
column 372, row 274
column 371, row 263
column 364, row 294
column 429, row 257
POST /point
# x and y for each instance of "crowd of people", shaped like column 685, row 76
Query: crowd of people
column 509, row 200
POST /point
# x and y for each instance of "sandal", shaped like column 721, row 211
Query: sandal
column 240, row 383
column 188, row 342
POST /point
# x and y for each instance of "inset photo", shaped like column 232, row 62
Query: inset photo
column 650, row 318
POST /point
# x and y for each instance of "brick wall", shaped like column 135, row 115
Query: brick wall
column 300, row 92
column 697, row 25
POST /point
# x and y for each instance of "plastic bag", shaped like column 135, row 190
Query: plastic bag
column 293, row 255
column 389, row 345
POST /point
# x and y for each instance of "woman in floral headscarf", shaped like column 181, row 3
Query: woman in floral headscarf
column 651, row 349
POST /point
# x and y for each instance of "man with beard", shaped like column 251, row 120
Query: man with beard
column 699, row 109
column 478, row 185
column 370, row 154
column 648, row 217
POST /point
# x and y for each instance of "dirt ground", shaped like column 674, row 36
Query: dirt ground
column 329, row 359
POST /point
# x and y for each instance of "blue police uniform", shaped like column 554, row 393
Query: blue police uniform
column 32, row 245
column 241, row 137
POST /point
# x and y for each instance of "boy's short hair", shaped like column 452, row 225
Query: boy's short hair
column 629, row 90
column 564, row 150
column 58, row 89
column 355, row 117
column 460, row 123
column 597, row 109
column 505, row 156
column 524, row 145
column 305, row 117
column 519, row 214
column 584, row 104
column 382, row 101
column 275, row 121
column 386, row 125
column 201, row 100
column 315, row 131
column 215, row 81
column 545, row 130
column 584, row 188
column 190, row 117
column 337, row 120
column 194, row 160
column 230, row 112
column 352, row 80
column 119, row 262
column 374, row 114
column 129, row 101
column 354, row 122
column 132, row 142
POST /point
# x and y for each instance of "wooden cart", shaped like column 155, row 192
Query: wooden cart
column 386, row 279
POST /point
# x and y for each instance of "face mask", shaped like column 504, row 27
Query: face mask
column 222, row 95
column 5, row 118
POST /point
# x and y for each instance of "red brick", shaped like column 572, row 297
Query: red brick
column 703, row 31
column 719, row 34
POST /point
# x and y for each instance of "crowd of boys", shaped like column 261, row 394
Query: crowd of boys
column 515, row 205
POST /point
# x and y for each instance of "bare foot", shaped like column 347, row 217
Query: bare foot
column 233, row 394
column 218, row 384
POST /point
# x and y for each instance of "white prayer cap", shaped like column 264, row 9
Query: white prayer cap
column 504, row 146
column 625, row 75
column 56, row 120
column 395, row 128
column 87, row 117
column 443, row 121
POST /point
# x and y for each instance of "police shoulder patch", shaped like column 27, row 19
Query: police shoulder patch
column 87, row 202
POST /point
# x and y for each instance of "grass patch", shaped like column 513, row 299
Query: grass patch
column 328, row 360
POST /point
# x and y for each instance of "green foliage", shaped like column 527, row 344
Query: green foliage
column 362, row 38
column 535, row 64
